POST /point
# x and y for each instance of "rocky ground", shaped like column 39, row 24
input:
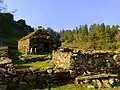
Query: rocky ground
column 89, row 64
column 23, row 78
column 96, row 70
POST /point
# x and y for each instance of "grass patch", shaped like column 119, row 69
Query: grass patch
column 41, row 65
column 37, row 55
column 77, row 87
column 67, row 87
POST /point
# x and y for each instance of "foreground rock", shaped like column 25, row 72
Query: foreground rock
column 22, row 79
column 99, row 81
column 5, row 61
column 6, row 70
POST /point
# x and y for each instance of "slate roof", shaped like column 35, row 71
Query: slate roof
column 37, row 34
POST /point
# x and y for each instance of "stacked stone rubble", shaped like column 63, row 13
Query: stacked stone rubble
column 96, row 69
column 62, row 59
column 98, row 81
column 6, row 70
column 83, row 61
column 3, row 51
column 24, row 45
column 21, row 79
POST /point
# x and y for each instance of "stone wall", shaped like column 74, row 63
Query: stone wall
column 84, row 61
column 3, row 51
column 62, row 59
column 22, row 79
column 23, row 45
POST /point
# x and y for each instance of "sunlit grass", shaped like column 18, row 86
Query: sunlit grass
column 41, row 65
column 68, row 87
column 36, row 55
column 77, row 87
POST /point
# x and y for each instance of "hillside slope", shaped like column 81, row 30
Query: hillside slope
column 10, row 30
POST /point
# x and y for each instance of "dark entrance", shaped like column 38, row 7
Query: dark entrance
column 47, row 47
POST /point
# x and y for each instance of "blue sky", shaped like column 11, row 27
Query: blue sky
column 66, row 14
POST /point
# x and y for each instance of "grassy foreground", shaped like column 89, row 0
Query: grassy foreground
column 68, row 87
column 72, row 87
column 76, row 87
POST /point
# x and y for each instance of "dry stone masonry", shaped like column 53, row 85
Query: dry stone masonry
column 21, row 79
column 24, row 45
column 35, row 42
column 96, row 69
column 6, row 69
column 85, row 62
column 3, row 51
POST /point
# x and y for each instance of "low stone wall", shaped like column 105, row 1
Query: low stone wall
column 22, row 79
column 3, row 51
column 98, row 81
column 85, row 61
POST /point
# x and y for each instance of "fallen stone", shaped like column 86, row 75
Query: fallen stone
column 33, row 69
column 30, row 77
column 3, row 87
column 99, row 84
column 50, row 71
column 106, row 84
column 111, row 81
column 15, row 79
column 9, row 65
column 2, row 70
column 23, row 85
column 5, row 61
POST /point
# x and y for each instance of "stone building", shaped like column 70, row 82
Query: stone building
column 35, row 42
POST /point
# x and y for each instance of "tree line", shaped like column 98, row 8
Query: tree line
column 96, row 36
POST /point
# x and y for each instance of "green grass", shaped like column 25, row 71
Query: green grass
column 65, row 87
column 42, row 65
column 76, row 87
column 37, row 55
column 68, row 87
column 72, row 87
column 79, row 46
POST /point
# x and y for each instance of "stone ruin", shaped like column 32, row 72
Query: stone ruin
column 89, row 66
column 83, row 61
column 3, row 51
column 6, row 69
column 100, row 69
column 12, row 78
column 36, row 42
